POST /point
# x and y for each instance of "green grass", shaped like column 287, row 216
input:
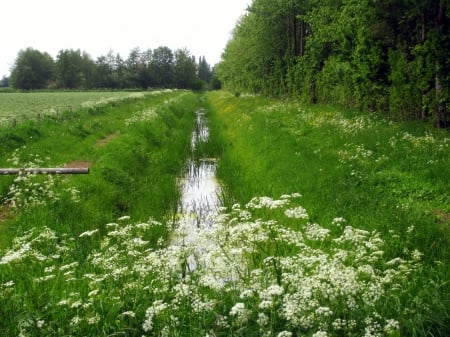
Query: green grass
column 377, row 175
column 363, row 251
column 134, row 163
column 23, row 106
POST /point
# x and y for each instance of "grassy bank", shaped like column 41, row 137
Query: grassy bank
column 335, row 225
column 135, row 151
column 378, row 176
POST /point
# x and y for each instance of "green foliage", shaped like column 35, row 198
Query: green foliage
column 376, row 174
column 74, row 69
column 125, row 146
column 404, row 83
column 390, row 56
column 362, row 252
column 32, row 70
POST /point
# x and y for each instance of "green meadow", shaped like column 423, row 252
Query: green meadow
column 334, row 222
column 23, row 106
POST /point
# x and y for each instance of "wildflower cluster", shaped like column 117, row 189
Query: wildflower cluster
column 151, row 113
column 355, row 153
column 30, row 189
column 356, row 124
column 406, row 142
column 253, row 276
column 104, row 101
column 142, row 116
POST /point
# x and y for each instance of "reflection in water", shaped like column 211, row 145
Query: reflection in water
column 199, row 195
column 199, row 200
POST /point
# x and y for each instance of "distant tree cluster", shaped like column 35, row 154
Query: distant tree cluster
column 391, row 56
column 74, row 69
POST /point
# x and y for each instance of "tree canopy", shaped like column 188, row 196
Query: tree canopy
column 75, row 69
column 391, row 56
column 32, row 70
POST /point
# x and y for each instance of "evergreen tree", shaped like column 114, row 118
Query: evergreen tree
column 4, row 82
column 204, row 70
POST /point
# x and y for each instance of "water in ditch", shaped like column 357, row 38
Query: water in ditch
column 200, row 191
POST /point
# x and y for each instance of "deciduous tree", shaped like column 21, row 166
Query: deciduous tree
column 32, row 70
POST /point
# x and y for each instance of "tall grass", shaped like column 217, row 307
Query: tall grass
column 303, row 246
column 383, row 177
column 134, row 156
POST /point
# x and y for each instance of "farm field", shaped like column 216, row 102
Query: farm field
column 333, row 222
column 28, row 105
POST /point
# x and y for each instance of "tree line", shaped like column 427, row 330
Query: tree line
column 391, row 55
column 74, row 69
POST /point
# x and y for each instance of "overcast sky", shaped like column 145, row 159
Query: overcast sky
column 97, row 26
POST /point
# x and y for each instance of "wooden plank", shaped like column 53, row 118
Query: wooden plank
column 49, row 170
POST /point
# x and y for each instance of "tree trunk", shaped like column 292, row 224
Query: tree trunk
column 439, row 106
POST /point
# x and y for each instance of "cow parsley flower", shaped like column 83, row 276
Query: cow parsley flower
column 297, row 212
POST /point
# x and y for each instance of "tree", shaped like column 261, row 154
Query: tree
column 137, row 68
column 265, row 45
column 161, row 67
column 74, row 70
column 32, row 70
column 204, row 72
column 185, row 70
column 4, row 82
column 390, row 56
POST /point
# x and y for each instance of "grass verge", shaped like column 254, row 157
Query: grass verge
column 378, row 176
column 361, row 253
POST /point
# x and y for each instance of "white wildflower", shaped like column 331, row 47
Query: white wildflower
column 324, row 311
column 265, row 304
column 263, row 319
column 391, row 326
column 88, row 233
column 93, row 292
column 75, row 320
column 285, row 334
column 296, row 212
column 410, row 229
column 94, row 319
column 320, row 334
column 237, row 309
column 129, row 314
column 339, row 221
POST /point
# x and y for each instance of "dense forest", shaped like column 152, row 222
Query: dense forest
column 390, row 55
column 74, row 69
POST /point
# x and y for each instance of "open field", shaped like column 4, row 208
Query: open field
column 28, row 105
column 335, row 223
